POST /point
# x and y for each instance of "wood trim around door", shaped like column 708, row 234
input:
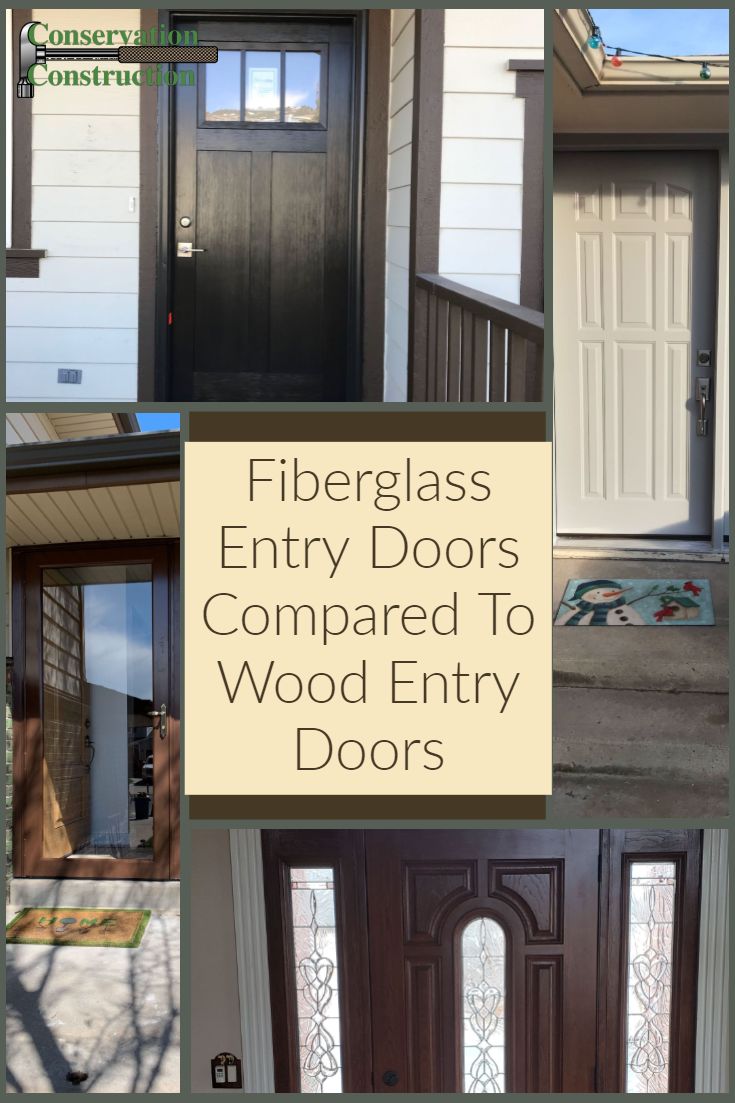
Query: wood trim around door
column 343, row 851
column 28, row 860
column 426, row 160
column 619, row 849
column 530, row 88
column 372, row 55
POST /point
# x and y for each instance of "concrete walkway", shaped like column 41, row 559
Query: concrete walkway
column 113, row 1014
column 641, row 714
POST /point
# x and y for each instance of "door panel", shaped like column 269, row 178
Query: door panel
column 541, row 888
column 94, row 655
column 635, row 256
column 264, row 171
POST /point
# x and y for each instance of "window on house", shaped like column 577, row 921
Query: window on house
column 280, row 86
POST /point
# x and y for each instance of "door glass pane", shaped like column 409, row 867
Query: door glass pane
column 652, row 891
column 303, row 85
column 97, row 691
column 317, row 979
column 222, row 89
column 483, row 1007
column 262, row 86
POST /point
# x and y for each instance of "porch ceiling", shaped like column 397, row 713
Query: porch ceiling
column 138, row 512
column 116, row 488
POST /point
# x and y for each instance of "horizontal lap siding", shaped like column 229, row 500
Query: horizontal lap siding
column 82, row 311
column 399, row 201
column 482, row 146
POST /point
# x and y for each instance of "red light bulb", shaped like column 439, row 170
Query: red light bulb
column 616, row 60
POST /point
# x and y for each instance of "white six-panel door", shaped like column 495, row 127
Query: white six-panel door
column 634, row 302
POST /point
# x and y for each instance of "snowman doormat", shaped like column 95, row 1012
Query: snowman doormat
column 599, row 602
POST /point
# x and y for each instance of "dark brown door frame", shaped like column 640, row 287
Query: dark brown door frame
column 28, row 857
column 370, row 144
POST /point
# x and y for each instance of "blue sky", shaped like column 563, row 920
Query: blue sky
column 675, row 31
column 152, row 423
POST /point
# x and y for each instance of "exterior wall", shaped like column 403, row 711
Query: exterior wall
column 482, row 147
column 82, row 311
column 214, row 980
column 399, row 203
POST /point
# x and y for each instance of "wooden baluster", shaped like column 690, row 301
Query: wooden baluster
column 442, row 351
column 497, row 363
column 480, row 368
column 454, row 353
column 517, row 368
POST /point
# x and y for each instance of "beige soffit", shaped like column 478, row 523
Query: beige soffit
column 592, row 73
column 143, row 511
column 28, row 428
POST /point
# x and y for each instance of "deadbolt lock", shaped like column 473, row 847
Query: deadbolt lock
column 185, row 221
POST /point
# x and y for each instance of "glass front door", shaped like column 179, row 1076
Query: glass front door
column 99, row 797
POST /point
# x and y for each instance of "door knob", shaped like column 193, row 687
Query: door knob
column 161, row 715
column 186, row 248
column 390, row 1078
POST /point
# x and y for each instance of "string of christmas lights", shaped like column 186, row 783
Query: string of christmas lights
column 595, row 42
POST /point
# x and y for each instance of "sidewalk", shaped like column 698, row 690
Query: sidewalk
column 641, row 715
column 113, row 1014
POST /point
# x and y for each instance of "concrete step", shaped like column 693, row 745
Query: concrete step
column 40, row 892
column 629, row 734
column 620, row 798
column 671, row 659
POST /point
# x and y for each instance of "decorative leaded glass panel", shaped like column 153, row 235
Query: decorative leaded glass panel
column 652, row 891
column 316, row 979
column 483, row 1007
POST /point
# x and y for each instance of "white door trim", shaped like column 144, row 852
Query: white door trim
column 252, row 962
column 713, row 995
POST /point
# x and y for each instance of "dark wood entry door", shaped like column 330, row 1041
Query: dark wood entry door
column 95, row 711
column 524, row 900
column 479, row 962
column 265, row 185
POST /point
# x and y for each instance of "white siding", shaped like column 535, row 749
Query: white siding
column 82, row 310
column 399, row 202
column 482, row 147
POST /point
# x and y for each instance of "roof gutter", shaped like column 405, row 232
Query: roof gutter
column 93, row 462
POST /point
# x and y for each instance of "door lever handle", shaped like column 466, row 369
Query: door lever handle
column 186, row 248
column 703, row 393
column 161, row 715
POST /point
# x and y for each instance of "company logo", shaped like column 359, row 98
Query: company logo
column 153, row 50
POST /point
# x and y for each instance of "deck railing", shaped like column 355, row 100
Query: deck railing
column 473, row 347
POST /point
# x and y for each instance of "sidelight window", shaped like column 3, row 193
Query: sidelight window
column 652, row 894
column 316, row 978
column 271, row 88
column 483, row 1007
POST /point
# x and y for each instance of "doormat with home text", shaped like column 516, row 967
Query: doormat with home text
column 631, row 602
column 120, row 928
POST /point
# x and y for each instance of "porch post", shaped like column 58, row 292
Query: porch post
column 252, row 961
column 711, row 1063
column 426, row 166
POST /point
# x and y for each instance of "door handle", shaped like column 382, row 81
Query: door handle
column 186, row 248
column 703, row 395
column 161, row 714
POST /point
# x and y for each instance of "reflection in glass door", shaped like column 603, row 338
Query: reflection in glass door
column 98, row 711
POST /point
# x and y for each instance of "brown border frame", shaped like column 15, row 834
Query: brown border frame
column 20, row 259
column 149, row 208
column 426, row 155
column 28, row 860
column 530, row 87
